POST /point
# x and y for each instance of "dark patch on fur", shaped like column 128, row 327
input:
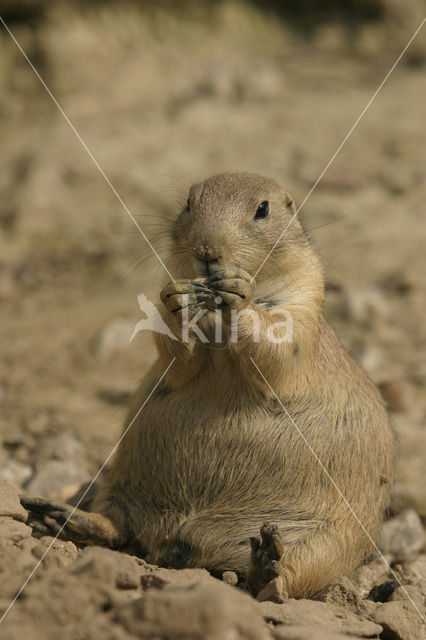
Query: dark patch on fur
column 178, row 555
column 163, row 390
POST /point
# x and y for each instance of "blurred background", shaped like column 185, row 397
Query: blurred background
column 164, row 94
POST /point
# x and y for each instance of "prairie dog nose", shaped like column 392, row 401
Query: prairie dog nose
column 206, row 253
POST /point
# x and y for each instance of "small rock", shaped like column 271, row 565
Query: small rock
column 13, row 531
column 404, row 593
column 12, row 435
column 15, row 472
column 397, row 283
column 112, row 567
column 415, row 574
column 418, row 373
column 341, row 592
column 63, row 446
column 230, row 577
column 400, row 620
column 10, row 504
column 116, row 395
column 208, row 610
column 263, row 85
column 417, row 567
column 128, row 576
column 57, row 478
column 371, row 358
column 320, row 615
column 113, row 337
column 408, row 496
column 365, row 577
column 392, row 395
column 403, row 535
column 366, row 306
column 38, row 424
column 161, row 578
column 65, row 551
column 273, row 592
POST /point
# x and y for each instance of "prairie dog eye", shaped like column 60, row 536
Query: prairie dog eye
column 262, row 210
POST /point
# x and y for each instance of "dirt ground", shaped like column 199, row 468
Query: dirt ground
column 162, row 99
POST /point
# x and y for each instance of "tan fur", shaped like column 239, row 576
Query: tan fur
column 213, row 455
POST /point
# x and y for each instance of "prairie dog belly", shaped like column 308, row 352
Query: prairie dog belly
column 196, row 462
column 194, row 484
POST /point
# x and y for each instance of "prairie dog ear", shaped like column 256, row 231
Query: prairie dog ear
column 288, row 201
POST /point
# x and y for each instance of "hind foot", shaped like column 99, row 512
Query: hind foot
column 264, row 573
column 64, row 521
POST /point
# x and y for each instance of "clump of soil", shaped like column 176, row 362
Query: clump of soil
column 95, row 592
column 164, row 98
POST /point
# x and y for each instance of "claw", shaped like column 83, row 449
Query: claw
column 54, row 527
column 39, row 504
column 40, row 528
column 255, row 544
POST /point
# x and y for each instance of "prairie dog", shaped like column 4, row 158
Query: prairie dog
column 215, row 452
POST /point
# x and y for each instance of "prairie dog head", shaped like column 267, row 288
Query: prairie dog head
column 234, row 220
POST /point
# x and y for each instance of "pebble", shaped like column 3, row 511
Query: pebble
column 409, row 496
column 116, row 395
column 15, row 472
column 371, row 358
column 230, row 577
column 273, row 592
column 331, row 618
column 365, row 577
column 63, row 446
column 401, row 594
column 343, row 592
column 111, row 566
column 366, row 306
column 12, row 435
column 9, row 503
column 403, row 535
column 207, row 609
column 400, row 620
column 56, row 478
column 161, row 578
column 397, row 283
column 13, row 531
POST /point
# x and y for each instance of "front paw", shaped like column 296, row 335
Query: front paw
column 51, row 518
column 187, row 295
column 234, row 286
